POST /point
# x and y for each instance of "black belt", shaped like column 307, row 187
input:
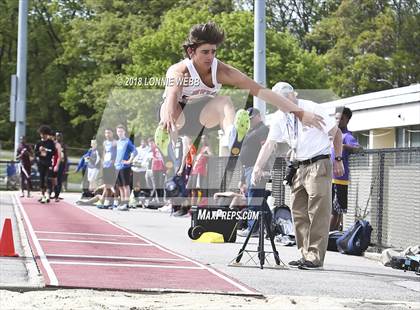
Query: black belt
column 313, row 159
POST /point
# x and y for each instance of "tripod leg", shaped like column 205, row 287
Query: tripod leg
column 261, row 252
column 273, row 246
column 241, row 251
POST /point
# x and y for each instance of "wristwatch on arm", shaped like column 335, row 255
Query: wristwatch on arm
column 338, row 158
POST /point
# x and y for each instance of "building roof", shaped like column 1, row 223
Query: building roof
column 384, row 109
column 396, row 96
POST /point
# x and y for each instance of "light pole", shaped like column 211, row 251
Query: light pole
column 22, row 49
column 259, row 51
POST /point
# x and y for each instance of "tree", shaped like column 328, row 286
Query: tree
column 362, row 43
column 8, row 42
column 297, row 17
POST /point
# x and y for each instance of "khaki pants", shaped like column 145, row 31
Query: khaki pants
column 311, row 209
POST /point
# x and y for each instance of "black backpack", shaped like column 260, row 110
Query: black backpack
column 356, row 239
column 282, row 222
column 175, row 187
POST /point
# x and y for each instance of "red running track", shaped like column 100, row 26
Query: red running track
column 75, row 248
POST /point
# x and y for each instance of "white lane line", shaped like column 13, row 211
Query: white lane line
column 118, row 257
column 92, row 241
column 211, row 270
column 113, row 224
column 80, row 234
column 41, row 254
column 214, row 272
column 124, row 265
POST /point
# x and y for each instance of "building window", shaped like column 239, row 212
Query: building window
column 408, row 136
column 363, row 138
column 401, row 139
column 414, row 134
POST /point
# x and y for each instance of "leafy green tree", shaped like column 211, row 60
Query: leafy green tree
column 8, row 41
column 363, row 43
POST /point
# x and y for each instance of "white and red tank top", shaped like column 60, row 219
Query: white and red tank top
column 194, row 86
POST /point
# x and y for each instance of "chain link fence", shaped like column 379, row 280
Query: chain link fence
column 384, row 189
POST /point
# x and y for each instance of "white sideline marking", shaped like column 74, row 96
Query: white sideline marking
column 117, row 257
column 41, row 254
column 124, row 265
column 80, row 234
column 91, row 241
column 216, row 273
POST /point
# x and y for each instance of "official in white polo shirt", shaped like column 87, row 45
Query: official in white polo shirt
column 311, row 184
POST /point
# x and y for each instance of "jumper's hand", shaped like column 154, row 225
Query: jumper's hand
column 310, row 119
column 168, row 119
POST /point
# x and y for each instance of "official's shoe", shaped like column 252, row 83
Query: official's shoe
column 296, row 263
column 308, row 265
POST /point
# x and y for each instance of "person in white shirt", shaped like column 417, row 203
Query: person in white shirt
column 311, row 184
column 139, row 167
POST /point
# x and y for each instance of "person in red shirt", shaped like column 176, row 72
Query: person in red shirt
column 198, row 179
column 158, row 170
column 53, row 170
column 189, row 153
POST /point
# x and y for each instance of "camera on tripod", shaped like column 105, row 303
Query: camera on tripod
column 291, row 170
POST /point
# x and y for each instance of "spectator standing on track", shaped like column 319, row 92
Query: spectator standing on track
column 126, row 151
column 62, row 167
column 24, row 154
column 82, row 166
column 189, row 152
column 340, row 183
column 139, row 168
column 157, row 172
column 198, row 179
column 93, row 163
column 108, row 169
column 53, row 171
column 44, row 151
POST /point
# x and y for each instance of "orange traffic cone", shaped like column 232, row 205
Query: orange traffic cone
column 7, row 247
